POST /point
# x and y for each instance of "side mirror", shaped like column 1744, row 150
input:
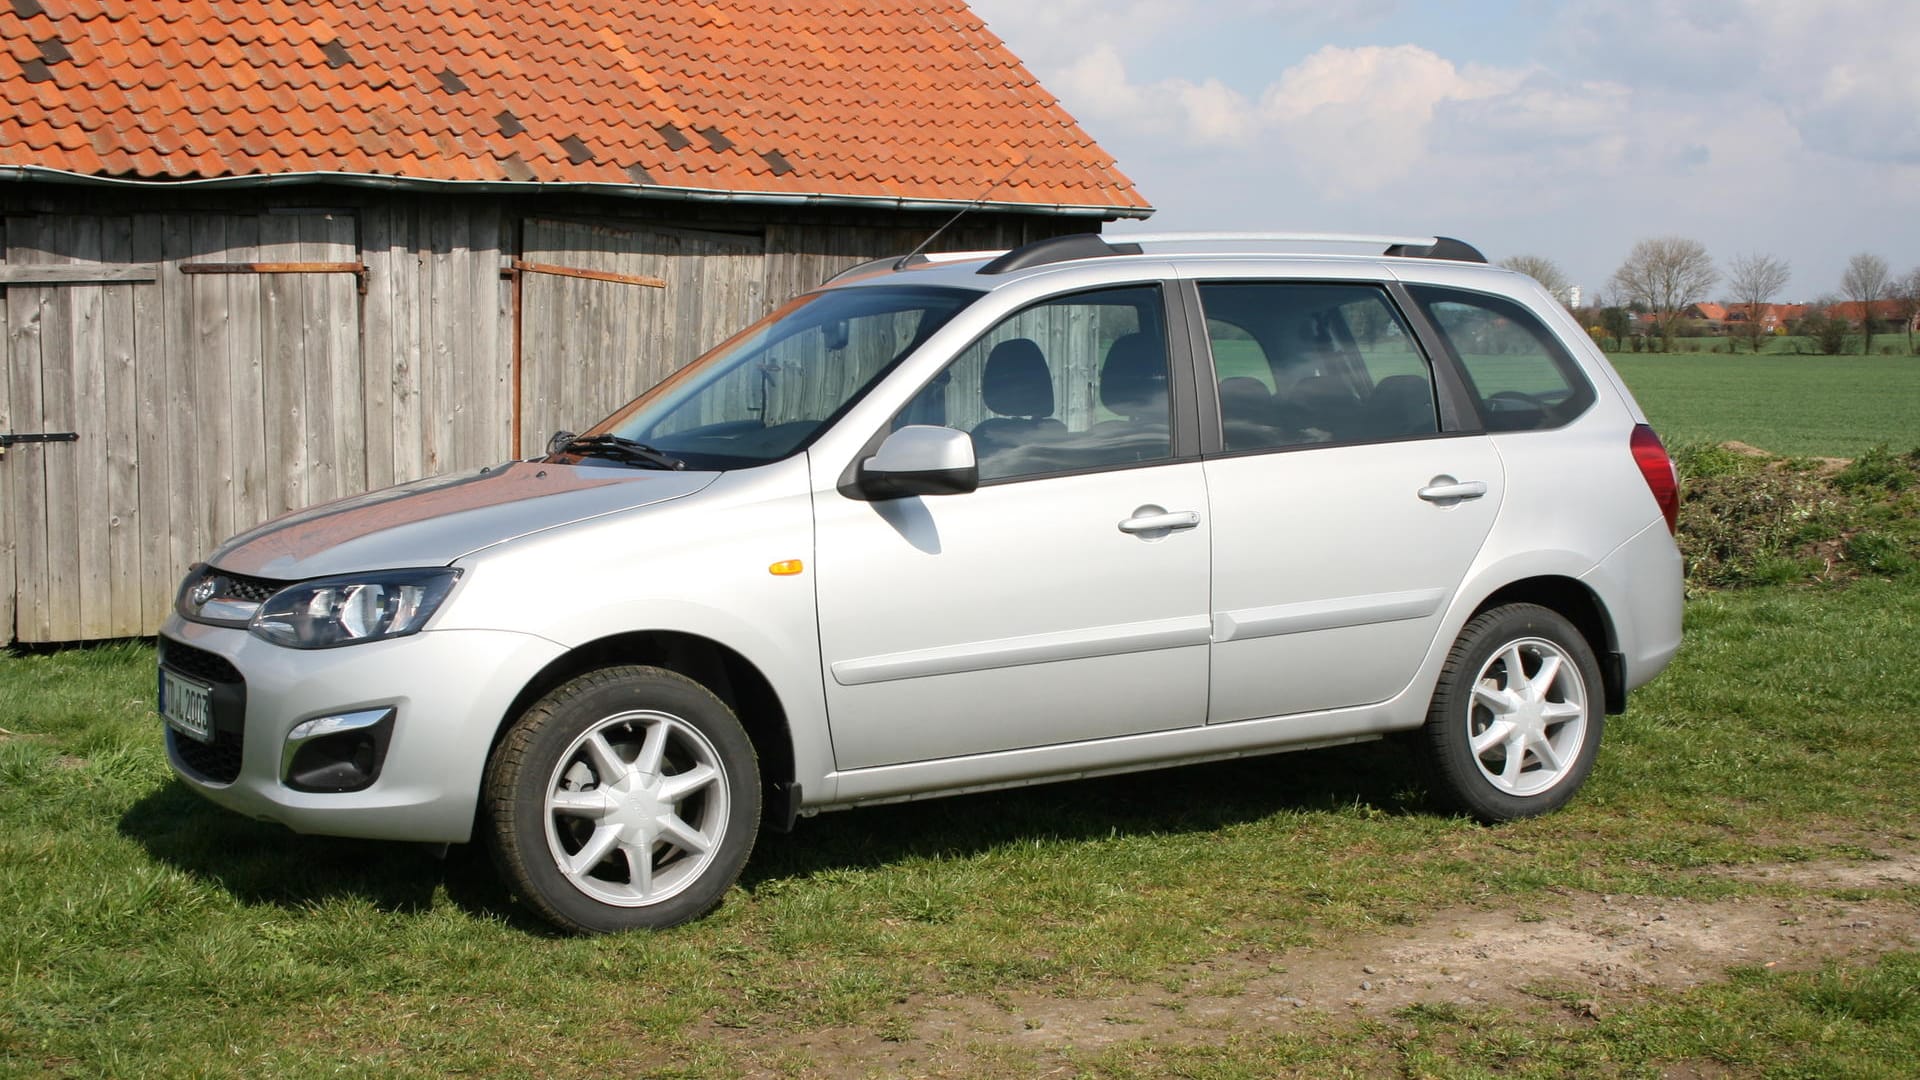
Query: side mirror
column 920, row 459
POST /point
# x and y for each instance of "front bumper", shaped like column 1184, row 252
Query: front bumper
column 450, row 691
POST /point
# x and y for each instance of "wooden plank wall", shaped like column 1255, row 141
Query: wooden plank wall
column 207, row 403
column 436, row 388
column 589, row 346
column 7, row 484
column 39, row 341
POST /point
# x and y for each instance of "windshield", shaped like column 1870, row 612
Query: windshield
column 765, row 392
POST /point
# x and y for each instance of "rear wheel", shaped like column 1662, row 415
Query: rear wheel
column 627, row 798
column 1516, row 718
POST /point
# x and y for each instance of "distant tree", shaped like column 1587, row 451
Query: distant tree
column 1866, row 282
column 1827, row 332
column 1543, row 270
column 1906, row 295
column 1617, row 323
column 1667, row 274
column 1755, row 280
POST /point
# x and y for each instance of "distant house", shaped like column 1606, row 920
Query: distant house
column 1885, row 312
column 254, row 256
column 1770, row 316
column 1713, row 313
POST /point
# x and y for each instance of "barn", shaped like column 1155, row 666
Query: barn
column 257, row 254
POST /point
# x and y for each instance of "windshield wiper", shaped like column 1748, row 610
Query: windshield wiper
column 620, row 448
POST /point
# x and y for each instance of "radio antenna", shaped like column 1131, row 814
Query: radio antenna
column 908, row 258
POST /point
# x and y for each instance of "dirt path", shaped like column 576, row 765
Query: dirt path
column 1595, row 947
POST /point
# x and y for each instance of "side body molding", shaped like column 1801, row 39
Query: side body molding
column 1031, row 649
column 1260, row 622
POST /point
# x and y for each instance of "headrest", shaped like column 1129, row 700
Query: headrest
column 1133, row 381
column 1408, row 399
column 1016, row 381
column 1322, row 392
column 1403, row 388
column 1244, row 392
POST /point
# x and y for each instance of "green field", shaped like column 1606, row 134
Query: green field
column 1829, row 406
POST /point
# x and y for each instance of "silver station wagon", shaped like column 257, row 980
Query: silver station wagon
column 955, row 523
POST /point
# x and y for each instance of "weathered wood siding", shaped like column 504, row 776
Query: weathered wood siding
column 436, row 387
column 588, row 346
column 204, row 403
column 7, row 484
column 207, row 402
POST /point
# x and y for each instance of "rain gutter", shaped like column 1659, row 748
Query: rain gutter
column 385, row 182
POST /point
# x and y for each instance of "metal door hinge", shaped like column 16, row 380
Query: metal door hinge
column 358, row 270
column 9, row 438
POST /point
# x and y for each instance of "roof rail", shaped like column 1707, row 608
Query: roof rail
column 1203, row 236
column 1058, row 249
column 1093, row 246
column 1443, row 247
column 1075, row 246
column 1406, row 247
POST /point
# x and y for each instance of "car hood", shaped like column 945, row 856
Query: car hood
column 435, row 521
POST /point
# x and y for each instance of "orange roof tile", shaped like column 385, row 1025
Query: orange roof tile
column 882, row 100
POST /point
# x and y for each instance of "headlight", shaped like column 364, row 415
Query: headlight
column 349, row 610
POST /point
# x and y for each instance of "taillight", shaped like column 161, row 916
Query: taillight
column 1657, row 469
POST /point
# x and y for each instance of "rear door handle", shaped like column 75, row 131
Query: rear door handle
column 1445, row 489
column 1152, row 519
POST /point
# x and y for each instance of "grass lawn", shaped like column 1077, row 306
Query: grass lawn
column 147, row 930
column 1835, row 406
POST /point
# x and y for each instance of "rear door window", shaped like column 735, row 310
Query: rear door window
column 1519, row 374
column 1300, row 363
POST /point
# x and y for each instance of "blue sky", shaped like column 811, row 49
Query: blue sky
column 1790, row 127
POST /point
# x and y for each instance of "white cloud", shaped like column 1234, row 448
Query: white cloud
column 1359, row 119
column 1781, row 125
column 1349, row 120
column 1846, row 72
column 1200, row 113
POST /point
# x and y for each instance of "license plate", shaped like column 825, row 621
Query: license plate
column 187, row 705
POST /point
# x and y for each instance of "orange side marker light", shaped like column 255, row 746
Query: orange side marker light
column 786, row 568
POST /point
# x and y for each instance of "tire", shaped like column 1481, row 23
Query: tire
column 1502, row 748
column 628, row 798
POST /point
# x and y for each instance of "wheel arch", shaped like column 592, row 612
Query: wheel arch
column 730, row 676
column 1580, row 606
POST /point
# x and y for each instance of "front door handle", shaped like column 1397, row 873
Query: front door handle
column 1152, row 519
column 1446, row 490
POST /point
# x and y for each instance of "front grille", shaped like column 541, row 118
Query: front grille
column 251, row 590
column 197, row 663
column 217, row 761
column 230, row 600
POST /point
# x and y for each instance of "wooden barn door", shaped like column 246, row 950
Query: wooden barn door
column 209, row 367
column 606, row 311
column 71, row 544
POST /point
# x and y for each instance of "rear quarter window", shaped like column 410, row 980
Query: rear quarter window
column 1520, row 375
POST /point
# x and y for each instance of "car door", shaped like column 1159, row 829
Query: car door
column 1347, row 503
column 1063, row 600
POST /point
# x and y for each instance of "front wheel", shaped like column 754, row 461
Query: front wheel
column 627, row 798
column 1515, row 721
